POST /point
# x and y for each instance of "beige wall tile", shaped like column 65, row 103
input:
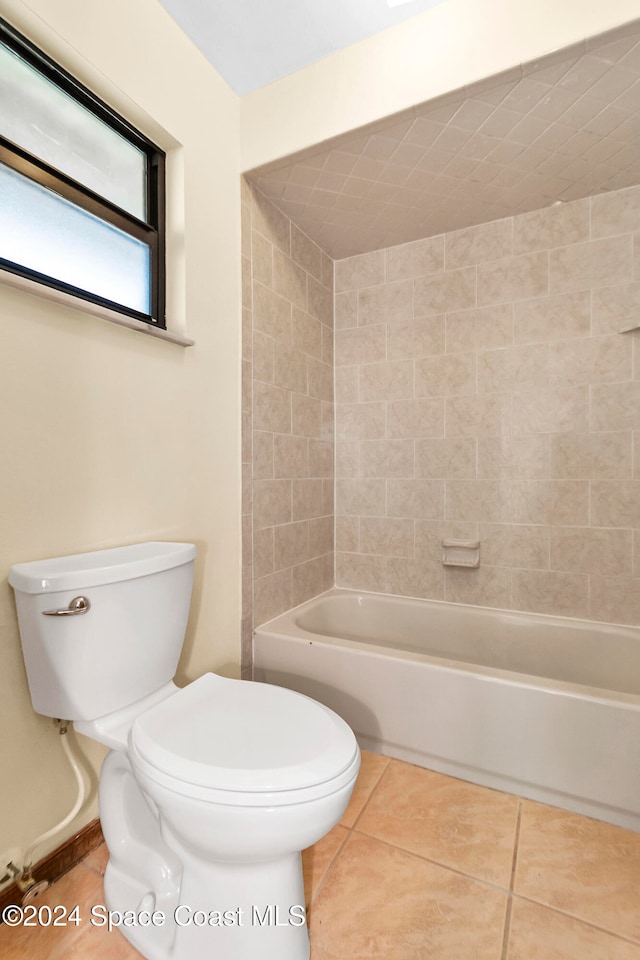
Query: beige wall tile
column 360, row 572
column 321, row 536
column 306, row 333
column 616, row 212
column 615, row 600
column 596, row 550
column 614, row 308
column 271, row 313
column 307, row 580
column 289, row 368
column 361, row 345
column 551, row 592
column 521, row 368
column 598, row 263
column 483, row 416
column 319, row 379
column 321, row 458
column 391, row 380
column 271, row 408
column 290, row 456
column 365, row 270
column 615, row 503
column 515, row 278
column 591, row 360
column 389, row 301
column 306, row 253
column 346, row 309
column 263, row 357
column 362, row 497
column 562, row 502
column 442, row 459
column 415, row 418
column 272, row 595
column 262, row 259
column 482, row 329
column 307, row 499
column 444, row 292
column 476, row 500
column 347, row 382
column 347, row 534
column 290, row 544
column 271, row 502
column 387, row 458
column 559, row 317
column 558, row 410
column 485, row 586
column 451, row 375
column 347, row 459
column 407, row 339
column 415, row 578
column 289, row 280
column 603, row 456
column 488, row 241
column 507, row 456
column 306, row 416
column 415, row 259
column 360, row 421
column 263, row 552
column 615, row 406
column 262, row 455
column 554, row 226
column 415, row 498
column 514, row 545
column 320, row 301
column 388, row 537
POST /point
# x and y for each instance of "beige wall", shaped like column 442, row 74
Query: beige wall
column 454, row 44
column 288, row 415
column 483, row 390
column 110, row 436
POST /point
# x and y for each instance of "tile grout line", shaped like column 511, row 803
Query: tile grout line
column 507, row 917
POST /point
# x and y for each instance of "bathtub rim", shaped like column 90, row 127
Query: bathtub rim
column 284, row 625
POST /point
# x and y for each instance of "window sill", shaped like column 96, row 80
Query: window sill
column 93, row 309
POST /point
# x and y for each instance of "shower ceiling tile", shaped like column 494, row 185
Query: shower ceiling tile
column 562, row 128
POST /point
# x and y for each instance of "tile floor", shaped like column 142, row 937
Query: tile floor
column 425, row 866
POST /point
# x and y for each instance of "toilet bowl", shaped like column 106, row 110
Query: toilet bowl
column 209, row 792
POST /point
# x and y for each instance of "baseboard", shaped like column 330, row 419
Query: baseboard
column 57, row 863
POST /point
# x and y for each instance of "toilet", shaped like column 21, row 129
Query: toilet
column 209, row 792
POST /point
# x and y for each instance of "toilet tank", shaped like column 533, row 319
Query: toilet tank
column 125, row 646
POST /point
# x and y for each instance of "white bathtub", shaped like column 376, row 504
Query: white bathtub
column 544, row 707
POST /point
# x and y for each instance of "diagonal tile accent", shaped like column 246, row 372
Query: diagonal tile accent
column 561, row 128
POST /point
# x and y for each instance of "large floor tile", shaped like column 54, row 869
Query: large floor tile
column 381, row 903
column 583, row 867
column 457, row 824
column 372, row 767
column 317, row 859
column 81, row 887
column 538, row 933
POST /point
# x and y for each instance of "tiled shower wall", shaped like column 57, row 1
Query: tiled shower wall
column 288, row 416
column 484, row 391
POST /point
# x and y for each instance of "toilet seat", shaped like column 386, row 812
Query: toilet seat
column 253, row 744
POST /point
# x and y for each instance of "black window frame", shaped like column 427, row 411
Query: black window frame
column 151, row 231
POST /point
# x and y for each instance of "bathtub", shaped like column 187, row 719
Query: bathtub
column 544, row 707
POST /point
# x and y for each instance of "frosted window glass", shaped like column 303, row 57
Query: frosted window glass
column 41, row 118
column 43, row 232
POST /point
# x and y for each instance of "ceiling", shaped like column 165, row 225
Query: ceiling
column 564, row 127
column 253, row 42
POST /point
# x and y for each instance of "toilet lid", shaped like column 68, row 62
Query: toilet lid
column 240, row 736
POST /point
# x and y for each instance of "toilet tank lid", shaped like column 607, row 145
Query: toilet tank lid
column 99, row 567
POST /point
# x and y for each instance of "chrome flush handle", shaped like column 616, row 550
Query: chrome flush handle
column 77, row 606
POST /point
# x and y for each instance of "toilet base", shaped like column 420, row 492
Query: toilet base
column 215, row 916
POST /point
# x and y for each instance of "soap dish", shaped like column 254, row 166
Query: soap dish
column 461, row 553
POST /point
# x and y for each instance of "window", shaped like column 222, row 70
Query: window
column 81, row 191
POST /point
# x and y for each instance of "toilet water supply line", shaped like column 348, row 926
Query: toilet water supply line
column 25, row 881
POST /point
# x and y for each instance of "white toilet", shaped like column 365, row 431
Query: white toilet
column 211, row 791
